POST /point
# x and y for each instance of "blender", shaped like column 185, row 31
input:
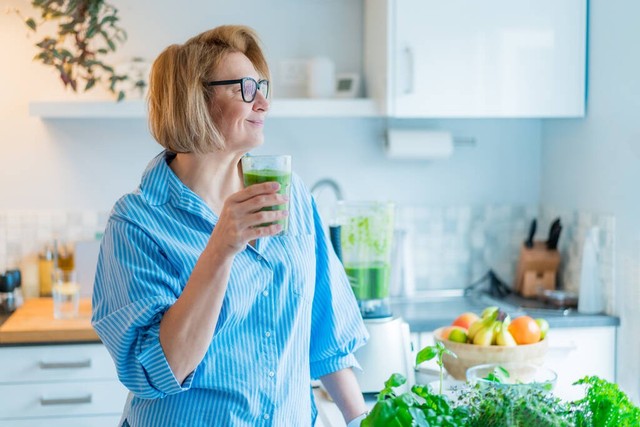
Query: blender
column 362, row 238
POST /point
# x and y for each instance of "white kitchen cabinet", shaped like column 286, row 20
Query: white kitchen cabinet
column 464, row 58
column 70, row 385
column 578, row 352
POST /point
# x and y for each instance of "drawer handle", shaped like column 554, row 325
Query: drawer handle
column 65, row 400
column 66, row 365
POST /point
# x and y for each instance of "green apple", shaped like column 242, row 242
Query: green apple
column 544, row 327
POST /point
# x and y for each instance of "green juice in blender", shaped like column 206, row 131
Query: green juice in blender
column 366, row 234
column 369, row 281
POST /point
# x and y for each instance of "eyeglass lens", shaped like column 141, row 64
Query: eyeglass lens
column 250, row 86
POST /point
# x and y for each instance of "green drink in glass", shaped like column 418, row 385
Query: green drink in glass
column 277, row 168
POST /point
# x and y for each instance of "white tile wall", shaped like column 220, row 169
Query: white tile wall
column 451, row 247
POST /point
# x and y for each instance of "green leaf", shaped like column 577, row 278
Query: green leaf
column 31, row 24
column 90, row 84
column 395, row 380
column 425, row 354
column 120, row 96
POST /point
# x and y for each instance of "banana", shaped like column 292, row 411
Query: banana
column 484, row 322
column 504, row 337
column 489, row 311
column 474, row 328
column 484, row 336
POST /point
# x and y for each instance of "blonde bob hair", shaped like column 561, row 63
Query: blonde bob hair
column 180, row 103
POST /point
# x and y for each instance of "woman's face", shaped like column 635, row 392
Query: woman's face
column 241, row 123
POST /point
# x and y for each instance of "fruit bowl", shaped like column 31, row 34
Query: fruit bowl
column 518, row 375
column 471, row 354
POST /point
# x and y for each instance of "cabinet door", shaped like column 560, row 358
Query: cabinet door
column 577, row 352
column 495, row 58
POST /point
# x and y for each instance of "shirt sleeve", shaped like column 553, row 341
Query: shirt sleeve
column 134, row 286
column 337, row 329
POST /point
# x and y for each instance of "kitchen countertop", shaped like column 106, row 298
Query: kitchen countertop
column 427, row 313
column 33, row 323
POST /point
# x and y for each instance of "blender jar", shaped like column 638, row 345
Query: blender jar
column 366, row 236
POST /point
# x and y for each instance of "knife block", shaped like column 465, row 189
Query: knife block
column 537, row 269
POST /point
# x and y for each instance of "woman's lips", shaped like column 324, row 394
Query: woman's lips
column 256, row 122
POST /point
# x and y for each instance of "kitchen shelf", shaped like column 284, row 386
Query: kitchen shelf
column 289, row 108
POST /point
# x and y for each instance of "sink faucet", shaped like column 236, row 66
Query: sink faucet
column 327, row 182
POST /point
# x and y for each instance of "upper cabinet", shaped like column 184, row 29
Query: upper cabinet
column 465, row 58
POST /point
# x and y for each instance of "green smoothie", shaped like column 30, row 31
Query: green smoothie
column 270, row 175
column 369, row 281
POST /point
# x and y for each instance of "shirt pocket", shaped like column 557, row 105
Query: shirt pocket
column 300, row 263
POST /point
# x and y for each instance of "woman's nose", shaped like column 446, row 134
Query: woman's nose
column 260, row 102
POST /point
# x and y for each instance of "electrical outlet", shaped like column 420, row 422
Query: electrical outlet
column 293, row 72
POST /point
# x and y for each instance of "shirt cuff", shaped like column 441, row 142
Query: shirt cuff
column 159, row 372
column 333, row 364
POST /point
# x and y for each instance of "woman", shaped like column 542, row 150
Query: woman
column 211, row 319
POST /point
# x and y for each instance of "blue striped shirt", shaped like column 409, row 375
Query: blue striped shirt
column 288, row 314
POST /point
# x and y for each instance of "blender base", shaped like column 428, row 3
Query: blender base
column 388, row 351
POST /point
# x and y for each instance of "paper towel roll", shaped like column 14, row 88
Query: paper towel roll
column 418, row 144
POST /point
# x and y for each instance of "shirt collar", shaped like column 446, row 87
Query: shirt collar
column 160, row 185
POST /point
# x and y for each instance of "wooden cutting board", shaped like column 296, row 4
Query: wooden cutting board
column 33, row 323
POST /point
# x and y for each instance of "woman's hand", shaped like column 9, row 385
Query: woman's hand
column 241, row 217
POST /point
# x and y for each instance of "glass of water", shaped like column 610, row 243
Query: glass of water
column 66, row 294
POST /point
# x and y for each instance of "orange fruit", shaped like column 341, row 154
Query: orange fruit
column 525, row 330
column 465, row 320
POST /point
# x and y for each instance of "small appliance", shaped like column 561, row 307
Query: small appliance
column 362, row 236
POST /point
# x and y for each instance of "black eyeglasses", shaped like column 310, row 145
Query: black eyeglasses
column 249, row 87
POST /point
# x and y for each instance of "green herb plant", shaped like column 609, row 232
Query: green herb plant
column 604, row 405
column 437, row 351
column 86, row 31
column 418, row 407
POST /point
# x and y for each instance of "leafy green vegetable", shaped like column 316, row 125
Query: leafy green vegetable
column 429, row 352
column 604, row 405
column 498, row 375
column 509, row 407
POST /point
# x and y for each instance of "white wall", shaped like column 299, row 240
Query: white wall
column 87, row 164
column 594, row 164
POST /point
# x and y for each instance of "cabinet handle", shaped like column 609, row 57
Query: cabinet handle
column 65, row 400
column 66, row 365
column 410, row 70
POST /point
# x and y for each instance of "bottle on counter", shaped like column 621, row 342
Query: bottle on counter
column 46, row 264
column 66, row 261
column 29, row 267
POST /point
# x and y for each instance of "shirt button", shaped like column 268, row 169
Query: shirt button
column 266, row 416
column 259, row 258
column 271, row 374
column 267, row 334
column 265, row 293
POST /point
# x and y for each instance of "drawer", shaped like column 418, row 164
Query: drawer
column 97, row 421
column 61, row 399
column 55, row 363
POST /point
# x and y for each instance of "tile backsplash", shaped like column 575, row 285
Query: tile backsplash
column 455, row 246
column 449, row 248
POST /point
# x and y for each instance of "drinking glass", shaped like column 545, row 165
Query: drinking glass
column 258, row 169
column 66, row 294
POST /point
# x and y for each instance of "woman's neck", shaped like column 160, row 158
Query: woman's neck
column 213, row 176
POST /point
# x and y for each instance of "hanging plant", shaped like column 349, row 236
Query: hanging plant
column 86, row 32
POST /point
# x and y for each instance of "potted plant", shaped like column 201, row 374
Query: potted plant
column 86, row 31
column 604, row 405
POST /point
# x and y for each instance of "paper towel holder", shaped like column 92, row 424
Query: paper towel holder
column 422, row 144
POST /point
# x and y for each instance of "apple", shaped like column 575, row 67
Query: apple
column 544, row 327
column 465, row 319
